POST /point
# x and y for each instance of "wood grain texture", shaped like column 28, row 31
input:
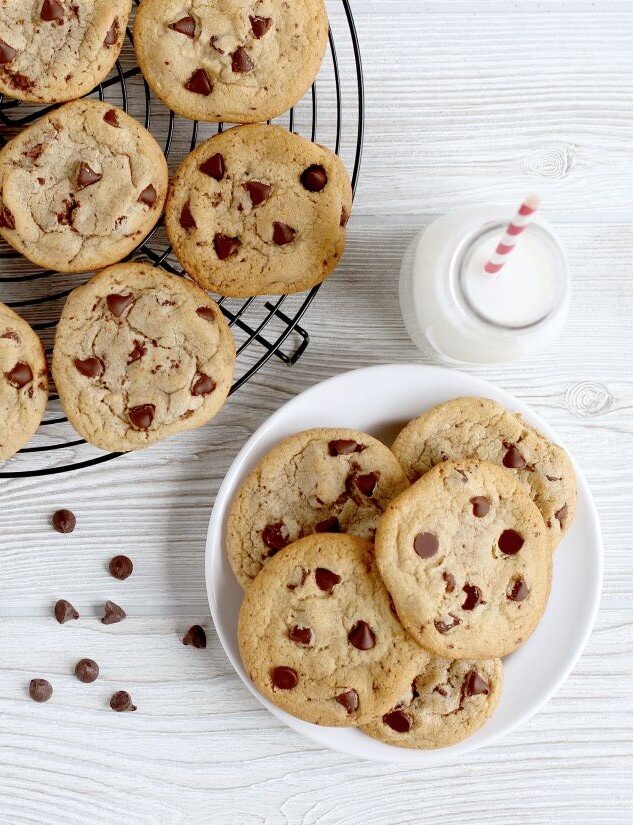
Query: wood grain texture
column 467, row 101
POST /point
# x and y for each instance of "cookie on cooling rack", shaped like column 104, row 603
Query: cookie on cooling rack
column 57, row 50
column 239, row 61
column 81, row 187
column 140, row 355
column 258, row 210
column 23, row 382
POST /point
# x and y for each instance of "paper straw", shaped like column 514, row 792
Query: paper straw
column 516, row 226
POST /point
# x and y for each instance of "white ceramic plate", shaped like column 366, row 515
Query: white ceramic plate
column 380, row 400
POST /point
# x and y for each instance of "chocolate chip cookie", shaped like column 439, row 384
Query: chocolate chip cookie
column 318, row 636
column 81, row 187
column 446, row 703
column 23, row 382
column 465, row 556
column 56, row 50
column 317, row 481
column 240, row 61
column 258, row 210
column 481, row 428
column 140, row 355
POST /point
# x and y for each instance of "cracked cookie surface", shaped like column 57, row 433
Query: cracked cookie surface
column 448, row 701
column 257, row 210
column 23, row 382
column 81, row 187
column 140, row 355
column 464, row 554
column 57, row 50
column 322, row 480
column 318, row 636
column 239, row 61
column 481, row 428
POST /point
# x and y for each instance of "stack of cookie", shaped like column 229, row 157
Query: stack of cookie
column 383, row 587
column 140, row 354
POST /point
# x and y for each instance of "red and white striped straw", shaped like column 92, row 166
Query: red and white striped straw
column 516, row 226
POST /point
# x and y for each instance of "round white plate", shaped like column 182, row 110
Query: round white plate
column 380, row 400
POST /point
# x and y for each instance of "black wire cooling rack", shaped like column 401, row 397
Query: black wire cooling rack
column 332, row 114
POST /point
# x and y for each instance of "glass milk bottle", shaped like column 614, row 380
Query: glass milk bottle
column 456, row 310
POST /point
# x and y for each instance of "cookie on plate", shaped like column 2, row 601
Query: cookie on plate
column 481, row 428
column 240, row 61
column 317, row 481
column 448, row 701
column 23, row 382
column 257, row 210
column 318, row 636
column 57, row 50
column 140, row 355
column 465, row 556
column 81, row 187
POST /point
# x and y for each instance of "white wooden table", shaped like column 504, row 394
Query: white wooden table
column 467, row 102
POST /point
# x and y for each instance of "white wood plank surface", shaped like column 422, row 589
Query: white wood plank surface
column 466, row 101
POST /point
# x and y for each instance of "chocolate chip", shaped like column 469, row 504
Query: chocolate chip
column 213, row 167
column 120, row 567
column 225, row 246
column 7, row 221
column 64, row 611
column 284, row 678
column 214, row 45
column 344, row 446
column 111, row 118
column 7, row 53
column 112, row 613
column 186, row 25
column 302, row 579
column 481, row 506
column 283, row 234
column 196, row 637
column 203, row 385
column 117, row 304
column 260, row 25
column 366, row 483
column 561, row 515
column 349, row 700
column 426, row 545
column 344, row 218
column 90, row 367
column 121, row 702
column 67, row 215
column 449, row 579
column 510, row 542
column 141, row 417
column 300, row 635
column 275, row 536
column 314, row 178
column 206, row 313
column 328, row 525
column 513, row 458
column 87, row 670
column 444, row 627
column 35, row 152
column 241, row 62
column 259, row 192
column 473, row 597
column 199, row 83
column 473, row 684
column 20, row 375
column 52, row 12
column 138, row 351
column 40, row 690
column 326, row 580
column 86, row 176
column 397, row 720
column 113, row 34
column 362, row 636
column 64, row 521
column 187, row 220
column 148, row 196
column 518, row 590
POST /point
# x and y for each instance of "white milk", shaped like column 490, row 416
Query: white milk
column 455, row 310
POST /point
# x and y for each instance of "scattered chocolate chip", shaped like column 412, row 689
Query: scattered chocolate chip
column 67, row 216
column 349, row 700
column 284, row 678
column 64, row 611
column 113, row 34
column 186, row 25
column 64, row 521
column 11, row 335
column 553, row 478
column 148, row 196
column 366, row 483
column 19, row 376
column 206, row 313
column 344, row 218
column 34, row 152
column 300, row 635
column 510, row 542
column 87, row 670
column 449, row 579
column 275, row 536
column 121, row 702
column 397, row 720
column 117, row 304
column 52, row 12
column 90, row 367
column 241, row 62
column 518, row 590
column 314, row 178
column 199, row 83
column 213, row 167
column 481, row 506
column 7, row 221
column 225, row 246
column 111, row 118
column 344, row 446
column 362, row 636
column 513, row 458
column 328, row 525
column 214, row 45
column 7, row 53
column 187, row 220
column 444, row 627
column 259, row 192
column 120, row 567
column 21, row 81
column 112, row 613
column 141, row 417
column 561, row 515
column 40, row 690
column 426, row 545
column 86, row 176
column 137, row 352
column 283, row 234
column 473, row 597
column 326, row 580
column 260, row 25
column 473, row 685
column 203, row 385
column 196, row 637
